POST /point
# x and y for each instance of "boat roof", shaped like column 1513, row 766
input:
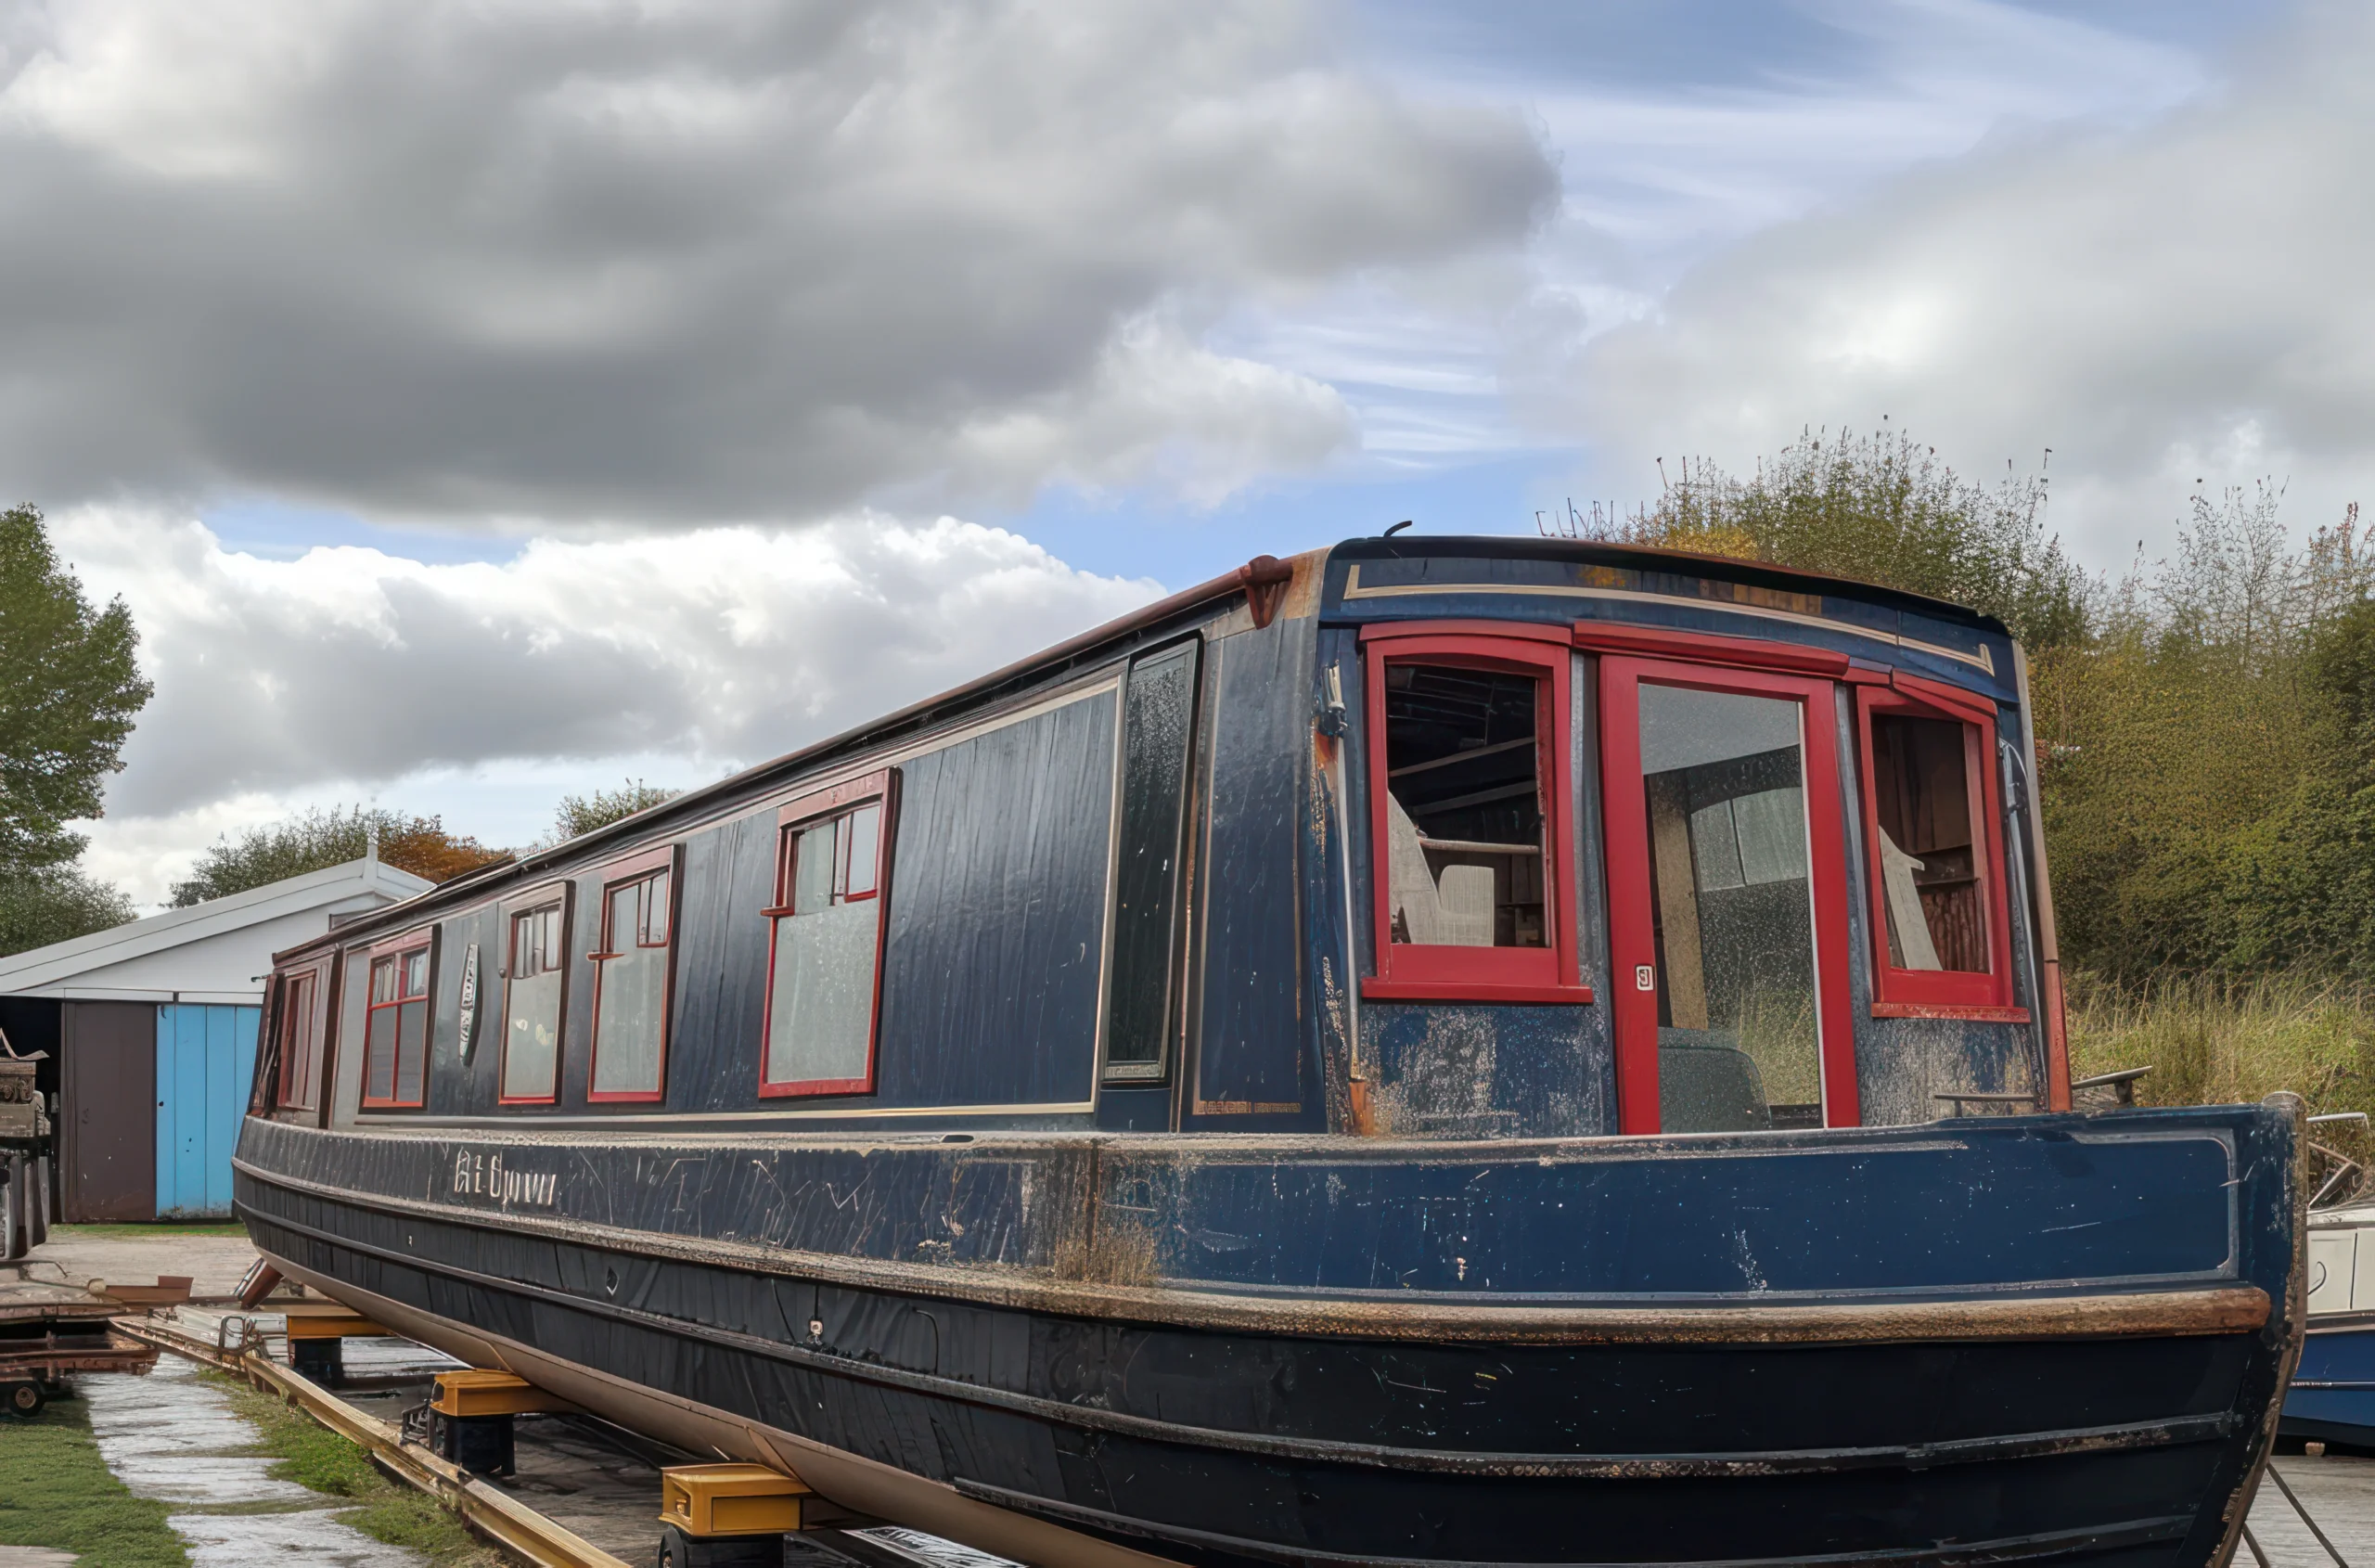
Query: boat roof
column 1190, row 604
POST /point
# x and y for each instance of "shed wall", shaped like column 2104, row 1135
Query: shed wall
column 205, row 1056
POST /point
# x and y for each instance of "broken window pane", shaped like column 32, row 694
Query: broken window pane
column 1464, row 843
column 1921, row 789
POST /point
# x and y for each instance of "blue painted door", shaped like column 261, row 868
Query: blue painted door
column 205, row 1056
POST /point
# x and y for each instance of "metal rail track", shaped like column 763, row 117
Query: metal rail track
column 494, row 1513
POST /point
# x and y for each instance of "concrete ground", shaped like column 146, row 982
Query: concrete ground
column 137, row 1254
column 2338, row 1492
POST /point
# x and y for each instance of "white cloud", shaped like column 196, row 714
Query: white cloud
column 702, row 261
column 348, row 671
column 2183, row 300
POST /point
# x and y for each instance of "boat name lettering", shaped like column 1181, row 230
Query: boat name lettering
column 485, row 1176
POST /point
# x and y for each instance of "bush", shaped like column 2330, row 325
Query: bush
column 579, row 814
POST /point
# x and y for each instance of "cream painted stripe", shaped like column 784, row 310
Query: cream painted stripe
column 626, row 1120
column 1983, row 659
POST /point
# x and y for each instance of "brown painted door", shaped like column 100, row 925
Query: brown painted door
column 107, row 1158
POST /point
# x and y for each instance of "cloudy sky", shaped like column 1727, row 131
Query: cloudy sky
column 482, row 400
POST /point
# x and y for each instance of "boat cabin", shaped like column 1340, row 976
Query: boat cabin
column 1452, row 838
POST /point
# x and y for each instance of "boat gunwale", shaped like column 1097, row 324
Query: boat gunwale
column 2184, row 1312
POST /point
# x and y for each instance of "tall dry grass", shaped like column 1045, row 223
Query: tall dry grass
column 2213, row 1041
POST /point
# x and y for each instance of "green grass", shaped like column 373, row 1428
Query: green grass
column 152, row 1231
column 55, row 1491
column 315, row 1457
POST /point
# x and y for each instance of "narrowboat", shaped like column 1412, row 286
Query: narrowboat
column 1437, row 1051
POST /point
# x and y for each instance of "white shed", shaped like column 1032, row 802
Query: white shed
column 150, row 1029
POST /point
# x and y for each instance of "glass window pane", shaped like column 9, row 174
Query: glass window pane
column 379, row 1055
column 1463, row 845
column 1157, row 725
column 416, row 974
column 619, row 934
column 627, row 1020
column 863, row 830
column 812, row 869
column 1732, row 903
column 1929, row 863
column 1715, row 844
column 531, row 1037
column 655, row 911
column 297, row 1041
column 411, row 1049
column 1771, row 826
column 383, row 979
column 821, row 1022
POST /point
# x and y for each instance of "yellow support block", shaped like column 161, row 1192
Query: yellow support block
column 476, row 1392
column 733, row 1500
column 312, row 1320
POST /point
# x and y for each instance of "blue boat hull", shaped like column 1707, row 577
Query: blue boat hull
column 2332, row 1396
column 2041, row 1339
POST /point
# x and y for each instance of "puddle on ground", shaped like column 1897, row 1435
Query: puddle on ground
column 164, row 1434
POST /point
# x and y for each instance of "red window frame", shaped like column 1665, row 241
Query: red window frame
column 552, row 895
column 1903, row 993
column 792, row 818
column 1632, row 939
column 300, row 1037
column 1549, row 973
column 397, row 950
column 616, row 875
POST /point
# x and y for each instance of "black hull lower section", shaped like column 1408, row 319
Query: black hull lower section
column 1216, row 1447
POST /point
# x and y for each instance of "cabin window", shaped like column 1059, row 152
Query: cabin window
column 535, row 965
column 825, row 958
column 1158, row 725
column 1941, row 941
column 300, row 1042
column 631, row 978
column 395, row 1033
column 1468, row 770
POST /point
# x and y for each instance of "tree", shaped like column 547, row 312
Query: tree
column 319, row 839
column 53, row 904
column 69, row 687
column 581, row 814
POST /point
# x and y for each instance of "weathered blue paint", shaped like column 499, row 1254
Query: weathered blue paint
column 1904, row 630
column 2131, row 1199
column 206, row 1054
column 997, row 915
column 1253, row 1069
column 2332, row 1397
